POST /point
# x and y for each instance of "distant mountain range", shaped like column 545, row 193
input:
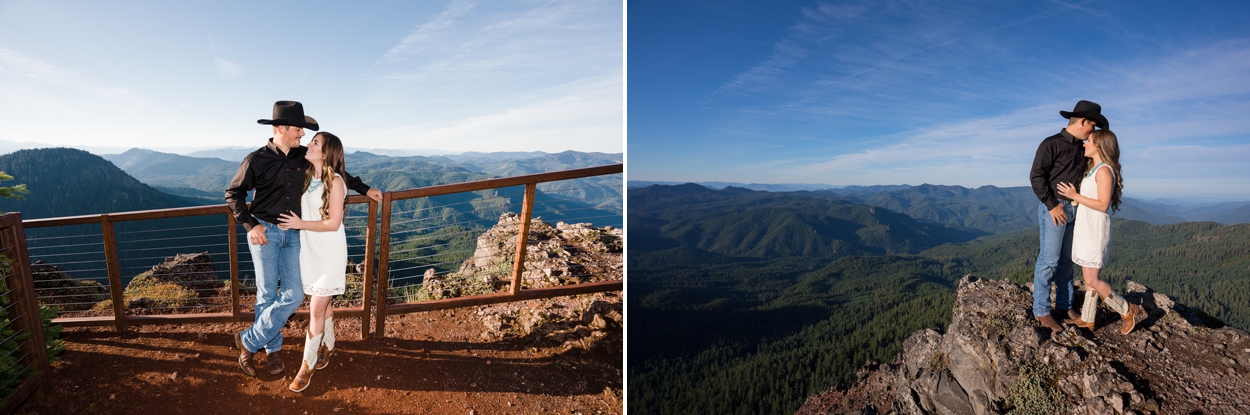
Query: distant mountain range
column 209, row 176
column 748, row 223
column 989, row 208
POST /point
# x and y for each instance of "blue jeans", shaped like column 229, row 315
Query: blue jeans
column 279, row 289
column 1054, row 261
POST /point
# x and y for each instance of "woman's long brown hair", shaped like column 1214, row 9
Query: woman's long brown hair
column 331, row 163
column 1109, row 149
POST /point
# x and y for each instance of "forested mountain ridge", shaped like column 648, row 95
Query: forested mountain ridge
column 741, row 222
column 70, row 182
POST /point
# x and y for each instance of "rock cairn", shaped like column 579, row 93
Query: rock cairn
column 994, row 358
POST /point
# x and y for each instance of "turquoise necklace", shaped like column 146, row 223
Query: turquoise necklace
column 313, row 185
column 1091, row 171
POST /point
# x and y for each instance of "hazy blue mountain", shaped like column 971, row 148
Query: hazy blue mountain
column 70, row 182
column 989, row 209
column 543, row 163
column 768, row 187
column 172, row 171
column 1239, row 214
column 746, row 223
column 870, row 190
column 1135, row 209
column 232, row 154
column 477, row 156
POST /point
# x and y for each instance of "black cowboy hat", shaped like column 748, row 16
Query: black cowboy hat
column 290, row 113
column 1087, row 110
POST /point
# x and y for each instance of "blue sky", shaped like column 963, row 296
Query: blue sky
column 443, row 75
column 956, row 93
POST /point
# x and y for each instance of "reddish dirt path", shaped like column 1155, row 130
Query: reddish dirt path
column 430, row 363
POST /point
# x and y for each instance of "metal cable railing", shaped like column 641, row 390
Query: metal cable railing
column 432, row 232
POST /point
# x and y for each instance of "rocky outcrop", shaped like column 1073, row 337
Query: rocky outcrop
column 555, row 255
column 179, row 282
column 194, row 272
column 994, row 358
column 56, row 288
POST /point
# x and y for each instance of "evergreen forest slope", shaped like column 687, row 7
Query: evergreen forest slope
column 724, row 328
column 70, row 182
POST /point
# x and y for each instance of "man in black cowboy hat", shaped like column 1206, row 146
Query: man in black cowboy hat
column 1059, row 159
column 276, row 173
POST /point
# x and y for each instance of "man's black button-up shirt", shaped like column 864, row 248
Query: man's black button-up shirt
column 279, row 182
column 1059, row 159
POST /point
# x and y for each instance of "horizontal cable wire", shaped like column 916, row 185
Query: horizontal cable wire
column 70, row 253
column 174, row 229
column 428, row 236
column 437, row 206
column 93, row 236
column 434, row 255
column 28, row 247
column 221, row 235
column 59, row 264
column 166, row 247
column 431, row 247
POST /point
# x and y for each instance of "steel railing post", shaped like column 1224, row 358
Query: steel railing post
column 233, row 235
column 523, row 233
column 370, row 250
column 114, row 270
column 384, row 264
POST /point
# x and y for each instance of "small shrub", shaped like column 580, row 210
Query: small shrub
column 1034, row 392
column 940, row 362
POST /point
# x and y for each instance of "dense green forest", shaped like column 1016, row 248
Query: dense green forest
column 724, row 331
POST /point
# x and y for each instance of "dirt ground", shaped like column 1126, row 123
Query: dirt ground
column 429, row 363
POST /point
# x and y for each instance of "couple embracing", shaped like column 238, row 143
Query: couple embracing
column 1076, row 177
column 295, row 235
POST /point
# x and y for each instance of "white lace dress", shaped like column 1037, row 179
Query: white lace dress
column 1091, row 234
column 322, row 255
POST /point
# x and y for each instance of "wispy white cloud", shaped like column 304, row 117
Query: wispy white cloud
column 227, row 70
column 19, row 67
column 1176, row 114
column 418, row 40
column 531, row 71
column 583, row 115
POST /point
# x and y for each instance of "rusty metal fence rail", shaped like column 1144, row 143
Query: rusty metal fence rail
column 466, row 275
column 24, row 363
column 101, row 269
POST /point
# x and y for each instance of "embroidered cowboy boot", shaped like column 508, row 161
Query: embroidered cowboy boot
column 327, row 345
column 1128, row 312
column 307, row 364
column 1089, row 310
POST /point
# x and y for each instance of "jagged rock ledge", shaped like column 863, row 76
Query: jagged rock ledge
column 994, row 358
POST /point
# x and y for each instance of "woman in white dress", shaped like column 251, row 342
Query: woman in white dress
column 1091, row 239
column 323, row 249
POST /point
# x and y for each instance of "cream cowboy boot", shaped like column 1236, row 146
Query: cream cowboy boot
column 1128, row 312
column 1089, row 310
column 327, row 345
column 304, row 377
